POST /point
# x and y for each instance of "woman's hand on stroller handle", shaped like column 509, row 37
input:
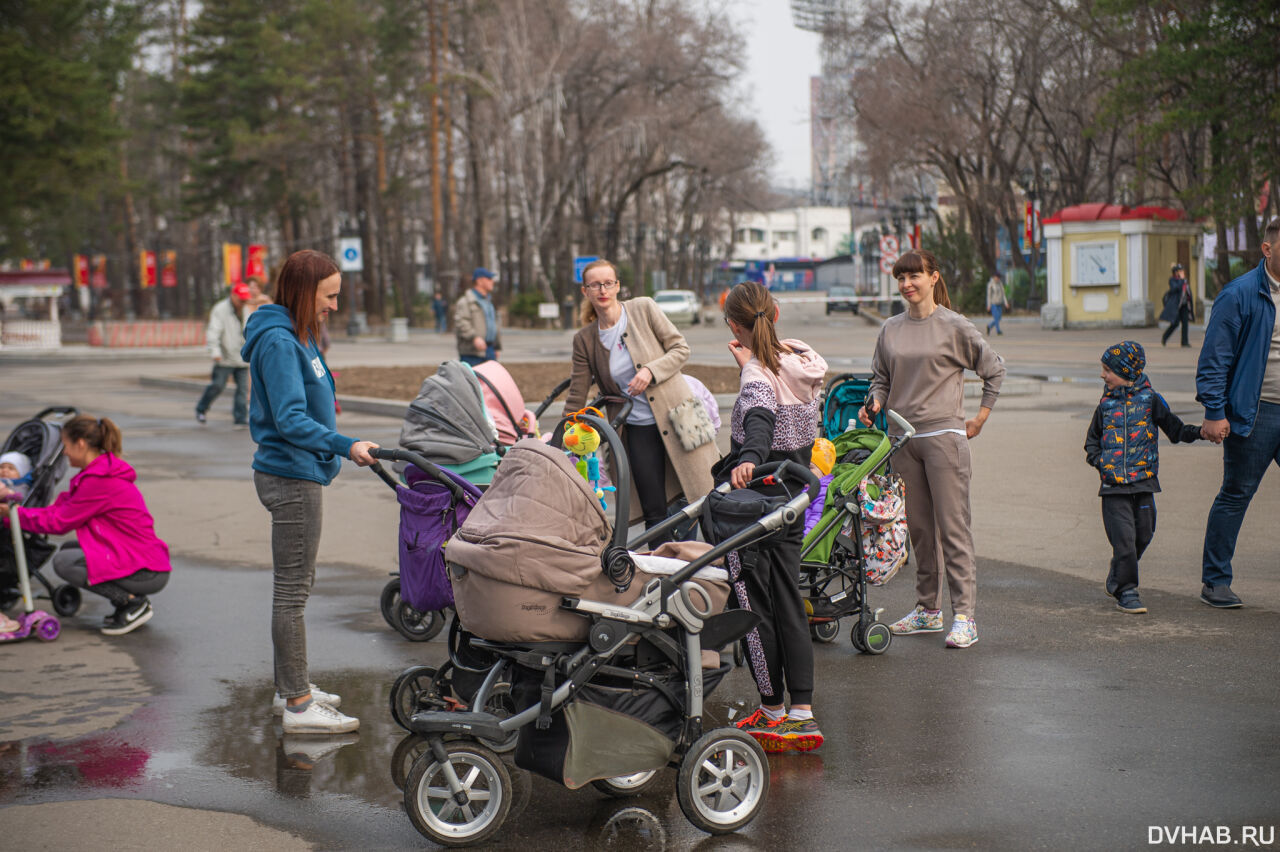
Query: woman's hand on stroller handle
column 361, row 453
column 773, row 473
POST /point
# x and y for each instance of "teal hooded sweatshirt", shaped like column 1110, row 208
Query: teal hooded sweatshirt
column 291, row 410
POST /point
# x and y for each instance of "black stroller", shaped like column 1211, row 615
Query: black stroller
column 611, row 708
column 39, row 439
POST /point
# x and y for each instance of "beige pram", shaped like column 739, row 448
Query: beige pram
column 601, row 648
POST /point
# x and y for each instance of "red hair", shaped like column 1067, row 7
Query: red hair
column 296, row 289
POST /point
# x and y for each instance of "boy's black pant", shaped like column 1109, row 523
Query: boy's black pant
column 1130, row 522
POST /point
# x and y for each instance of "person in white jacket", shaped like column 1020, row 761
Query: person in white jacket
column 225, row 338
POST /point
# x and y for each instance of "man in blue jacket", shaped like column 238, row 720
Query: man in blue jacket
column 1238, row 383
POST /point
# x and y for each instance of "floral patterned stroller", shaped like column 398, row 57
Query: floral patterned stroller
column 860, row 536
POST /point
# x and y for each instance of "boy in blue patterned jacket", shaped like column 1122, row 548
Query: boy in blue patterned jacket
column 1124, row 448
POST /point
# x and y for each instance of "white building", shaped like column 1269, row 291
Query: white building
column 807, row 232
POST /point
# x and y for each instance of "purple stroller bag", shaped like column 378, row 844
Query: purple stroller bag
column 429, row 515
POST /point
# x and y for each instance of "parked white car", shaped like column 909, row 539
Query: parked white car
column 680, row 306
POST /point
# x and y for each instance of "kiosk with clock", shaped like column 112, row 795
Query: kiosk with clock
column 1108, row 265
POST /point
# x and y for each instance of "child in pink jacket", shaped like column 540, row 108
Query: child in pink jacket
column 118, row 555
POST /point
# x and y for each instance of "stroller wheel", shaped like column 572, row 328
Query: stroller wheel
column 407, row 751
column 874, row 638
column 501, row 704
column 723, row 781
column 625, row 786
column 408, row 691
column 473, row 811
column 826, row 632
column 390, row 601
column 416, row 626
column 66, row 600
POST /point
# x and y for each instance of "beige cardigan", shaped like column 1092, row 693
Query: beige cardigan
column 654, row 342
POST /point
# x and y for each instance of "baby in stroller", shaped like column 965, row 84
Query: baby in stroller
column 602, row 650
column 15, row 477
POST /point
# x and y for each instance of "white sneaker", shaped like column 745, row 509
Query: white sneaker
column 318, row 718
column 330, row 698
column 310, row 749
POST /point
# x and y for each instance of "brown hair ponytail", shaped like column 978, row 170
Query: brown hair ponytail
column 751, row 306
column 99, row 433
column 923, row 260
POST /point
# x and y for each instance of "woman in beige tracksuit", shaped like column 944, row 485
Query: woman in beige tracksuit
column 918, row 371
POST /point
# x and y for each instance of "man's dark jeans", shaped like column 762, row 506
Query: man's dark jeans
column 218, row 381
column 1244, row 461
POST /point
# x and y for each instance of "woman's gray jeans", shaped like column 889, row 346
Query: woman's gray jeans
column 296, row 510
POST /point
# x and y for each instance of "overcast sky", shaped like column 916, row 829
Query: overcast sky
column 781, row 59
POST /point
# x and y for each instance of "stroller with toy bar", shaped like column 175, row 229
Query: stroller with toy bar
column 860, row 536
column 602, row 655
column 23, row 555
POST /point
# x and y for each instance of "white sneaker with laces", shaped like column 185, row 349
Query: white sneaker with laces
column 964, row 632
column 318, row 718
column 330, row 698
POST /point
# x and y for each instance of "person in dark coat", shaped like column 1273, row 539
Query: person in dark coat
column 1178, row 307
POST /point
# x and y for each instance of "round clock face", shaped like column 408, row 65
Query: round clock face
column 1097, row 263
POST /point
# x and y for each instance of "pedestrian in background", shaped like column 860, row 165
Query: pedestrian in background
column 475, row 320
column 441, row 310
column 1178, row 305
column 257, row 295
column 1123, row 446
column 299, row 452
column 918, row 371
column 1238, row 383
column 224, row 336
column 997, row 301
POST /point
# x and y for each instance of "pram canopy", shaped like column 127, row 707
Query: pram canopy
column 448, row 423
column 505, row 403
column 41, row 441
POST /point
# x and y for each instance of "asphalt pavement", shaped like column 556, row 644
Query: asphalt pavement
column 1068, row 726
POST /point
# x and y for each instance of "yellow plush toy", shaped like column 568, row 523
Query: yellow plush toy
column 581, row 440
column 823, row 456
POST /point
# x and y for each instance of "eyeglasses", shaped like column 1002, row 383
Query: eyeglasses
column 600, row 285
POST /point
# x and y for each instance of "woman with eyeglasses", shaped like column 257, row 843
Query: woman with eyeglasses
column 631, row 349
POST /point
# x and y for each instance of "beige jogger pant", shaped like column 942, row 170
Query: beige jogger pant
column 936, row 472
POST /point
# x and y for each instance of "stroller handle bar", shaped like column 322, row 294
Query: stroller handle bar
column 62, row 411
column 418, row 461
column 908, row 431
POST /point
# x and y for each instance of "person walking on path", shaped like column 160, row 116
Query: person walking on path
column 775, row 418
column 1178, row 305
column 291, row 417
column 440, row 308
column 117, row 554
column 997, row 301
column 631, row 349
column 918, row 370
column 1238, row 383
column 1123, row 446
column 475, row 320
column 225, row 338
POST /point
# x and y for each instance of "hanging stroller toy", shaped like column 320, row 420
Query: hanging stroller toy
column 583, row 441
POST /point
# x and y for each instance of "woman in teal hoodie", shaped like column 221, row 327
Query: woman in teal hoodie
column 291, row 417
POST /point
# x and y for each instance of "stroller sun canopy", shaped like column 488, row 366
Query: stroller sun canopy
column 448, row 422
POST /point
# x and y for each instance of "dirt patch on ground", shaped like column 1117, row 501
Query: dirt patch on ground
column 535, row 379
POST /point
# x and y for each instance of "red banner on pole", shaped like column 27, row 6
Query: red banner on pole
column 99, row 280
column 26, row 264
column 81, row 270
column 257, row 263
column 147, row 268
column 169, row 272
column 231, row 264
column 1028, row 217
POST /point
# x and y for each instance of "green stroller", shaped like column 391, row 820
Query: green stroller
column 843, row 547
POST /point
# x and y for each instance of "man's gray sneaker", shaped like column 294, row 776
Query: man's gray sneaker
column 1220, row 597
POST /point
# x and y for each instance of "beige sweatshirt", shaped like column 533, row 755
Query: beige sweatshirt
column 919, row 365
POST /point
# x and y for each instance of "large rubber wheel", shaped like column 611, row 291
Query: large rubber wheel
column 625, row 786
column 723, row 781
column 855, row 636
column 390, row 601
column 452, row 821
column 875, row 638
column 416, row 626
column 66, row 600
column 826, row 632
column 407, row 691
